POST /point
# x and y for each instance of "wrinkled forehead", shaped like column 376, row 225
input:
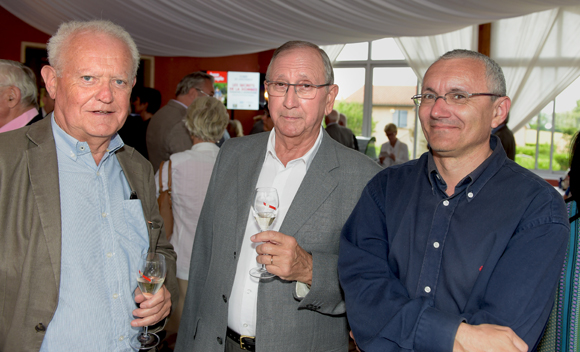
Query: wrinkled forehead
column 447, row 75
column 305, row 63
column 90, row 49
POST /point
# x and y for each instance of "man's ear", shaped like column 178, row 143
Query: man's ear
column 330, row 97
column 500, row 112
column 13, row 96
column 49, row 75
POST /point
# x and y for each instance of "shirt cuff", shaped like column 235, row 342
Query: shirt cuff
column 302, row 289
column 436, row 330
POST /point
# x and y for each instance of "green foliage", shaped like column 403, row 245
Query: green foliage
column 354, row 115
column 525, row 156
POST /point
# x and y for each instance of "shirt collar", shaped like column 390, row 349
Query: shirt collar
column 74, row 148
column 20, row 121
column 180, row 103
column 475, row 180
column 306, row 158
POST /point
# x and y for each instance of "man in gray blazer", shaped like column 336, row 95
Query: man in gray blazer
column 166, row 133
column 339, row 133
column 77, row 208
column 319, row 182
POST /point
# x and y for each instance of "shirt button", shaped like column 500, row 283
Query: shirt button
column 248, row 291
column 121, row 338
column 436, row 244
column 445, row 202
column 98, row 174
column 116, row 295
column 427, row 289
column 82, row 147
column 470, row 194
column 104, row 215
column 109, row 255
column 245, row 325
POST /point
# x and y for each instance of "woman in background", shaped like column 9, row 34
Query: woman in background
column 394, row 151
column 206, row 121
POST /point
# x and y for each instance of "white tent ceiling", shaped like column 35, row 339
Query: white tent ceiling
column 220, row 28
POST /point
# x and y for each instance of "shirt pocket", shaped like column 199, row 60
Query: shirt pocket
column 135, row 226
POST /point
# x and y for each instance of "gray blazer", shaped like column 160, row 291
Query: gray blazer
column 30, row 231
column 166, row 133
column 325, row 199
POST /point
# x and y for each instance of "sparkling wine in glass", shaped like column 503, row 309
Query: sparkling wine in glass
column 150, row 277
column 264, row 209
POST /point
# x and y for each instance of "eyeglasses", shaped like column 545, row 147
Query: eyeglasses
column 453, row 98
column 204, row 93
column 302, row 90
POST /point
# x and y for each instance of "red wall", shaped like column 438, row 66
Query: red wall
column 168, row 70
column 13, row 32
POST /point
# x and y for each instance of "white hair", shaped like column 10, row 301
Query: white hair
column 60, row 40
column 15, row 74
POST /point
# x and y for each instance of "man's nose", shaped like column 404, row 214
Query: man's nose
column 440, row 108
column 291, row 98
column 105, row 93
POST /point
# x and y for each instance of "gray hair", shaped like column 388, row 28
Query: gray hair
column 192, row 80
column 206, row 119
column 58, row 42
column 15, row 74
column 493, row 72
column 297, row 44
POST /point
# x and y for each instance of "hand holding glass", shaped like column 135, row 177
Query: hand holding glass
column 264, row 209
column 150, row 277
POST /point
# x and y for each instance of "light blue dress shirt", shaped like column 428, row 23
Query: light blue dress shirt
column 103, row 235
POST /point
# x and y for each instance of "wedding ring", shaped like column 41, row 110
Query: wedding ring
column 271, row 259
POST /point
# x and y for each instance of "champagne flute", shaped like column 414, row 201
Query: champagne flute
column 264, row 209
column 150, row 277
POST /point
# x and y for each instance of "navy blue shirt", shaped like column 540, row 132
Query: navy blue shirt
column 414, row 263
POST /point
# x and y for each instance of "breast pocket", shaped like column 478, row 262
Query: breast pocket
column 135, row 226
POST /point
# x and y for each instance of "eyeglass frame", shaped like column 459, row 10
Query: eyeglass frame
column 469, row 95
column 317, row 86
column 201, row 91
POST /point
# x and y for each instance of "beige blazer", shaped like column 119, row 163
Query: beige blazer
column 30, row 231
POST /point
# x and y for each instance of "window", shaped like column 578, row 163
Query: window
column 544, row 143
column 377, row 91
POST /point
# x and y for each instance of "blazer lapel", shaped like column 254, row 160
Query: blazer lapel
column 43, row 171
column 315, row 188
column 248, row 173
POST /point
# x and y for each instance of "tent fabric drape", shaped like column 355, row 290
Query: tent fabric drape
column 540, row 56
column 208, row 28
column 538, row 53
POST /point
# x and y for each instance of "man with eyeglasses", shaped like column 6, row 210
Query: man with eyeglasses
column 318, row 182
column 460, row 249
column 166, row 133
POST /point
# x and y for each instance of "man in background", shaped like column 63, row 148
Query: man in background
column 145, row 102
column 166, row 133
column 340, row 134
column 462, row 248
column 506, row 136
column 17, row 96
column 78, row 208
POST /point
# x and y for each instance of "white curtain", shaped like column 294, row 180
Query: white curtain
column 332, row 51
column 540, row 56
column 421, row 52
column 206, row 28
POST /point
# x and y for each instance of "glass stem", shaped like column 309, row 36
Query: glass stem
column 263, row 265
column 145, row 333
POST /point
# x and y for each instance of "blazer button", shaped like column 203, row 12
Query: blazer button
column 219, row 339
column 40, row 327
column 225, row 298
